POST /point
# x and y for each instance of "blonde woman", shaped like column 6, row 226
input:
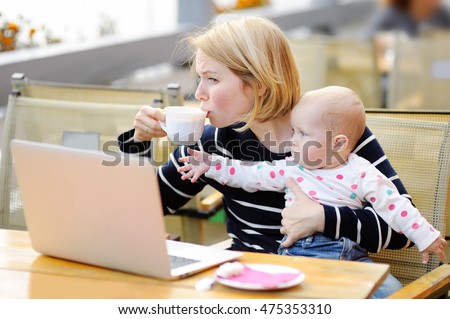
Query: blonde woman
column 248, row 85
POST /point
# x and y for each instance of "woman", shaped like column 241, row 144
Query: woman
column 248, row 85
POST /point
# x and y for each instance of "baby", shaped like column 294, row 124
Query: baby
column 327, row 123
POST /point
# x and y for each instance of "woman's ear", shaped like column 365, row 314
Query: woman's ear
column 340, row 142
column 261, row 89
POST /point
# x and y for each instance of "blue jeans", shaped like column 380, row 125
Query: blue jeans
column 320, row 246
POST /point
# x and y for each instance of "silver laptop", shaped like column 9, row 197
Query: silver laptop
column 102, row 209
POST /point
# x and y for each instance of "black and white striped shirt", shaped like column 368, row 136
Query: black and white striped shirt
column 254, row 219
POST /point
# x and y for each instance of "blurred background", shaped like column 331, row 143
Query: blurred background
column 132, row 43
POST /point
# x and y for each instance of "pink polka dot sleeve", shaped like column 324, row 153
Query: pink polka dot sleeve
column 395, row 209
column 250, row 176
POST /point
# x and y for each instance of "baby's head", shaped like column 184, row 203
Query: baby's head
column 327, row 124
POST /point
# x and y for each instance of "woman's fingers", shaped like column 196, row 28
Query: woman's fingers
column 146, row 123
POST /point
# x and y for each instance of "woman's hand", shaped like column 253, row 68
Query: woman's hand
column 146, row 123
column 303, row 218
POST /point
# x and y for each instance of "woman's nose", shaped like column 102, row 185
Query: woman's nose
column 200, row 94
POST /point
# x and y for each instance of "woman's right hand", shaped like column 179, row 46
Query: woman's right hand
column 303, row 218
column 146, row 123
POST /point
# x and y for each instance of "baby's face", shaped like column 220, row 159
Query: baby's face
column 311, row 143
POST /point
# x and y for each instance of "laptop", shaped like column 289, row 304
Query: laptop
column 102, row 209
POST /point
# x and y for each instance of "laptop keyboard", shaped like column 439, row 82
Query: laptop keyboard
column 177, row 261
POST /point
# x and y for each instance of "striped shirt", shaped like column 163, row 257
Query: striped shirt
column 254, row 219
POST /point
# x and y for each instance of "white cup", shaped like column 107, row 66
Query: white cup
column 184, row 125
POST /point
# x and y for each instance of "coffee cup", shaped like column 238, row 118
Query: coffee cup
column 184, row 125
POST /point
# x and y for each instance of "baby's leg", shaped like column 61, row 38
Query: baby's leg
column 318, row 246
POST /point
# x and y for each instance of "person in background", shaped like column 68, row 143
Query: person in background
column 408, row 16
column 326, row 123
column 248, row 85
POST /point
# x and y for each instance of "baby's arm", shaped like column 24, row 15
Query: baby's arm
column 250, row 176
column 398, row 212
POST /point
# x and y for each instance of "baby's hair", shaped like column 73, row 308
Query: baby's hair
column 344, row 112
column 347, row 116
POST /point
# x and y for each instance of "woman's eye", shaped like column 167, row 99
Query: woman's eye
column 213, row 80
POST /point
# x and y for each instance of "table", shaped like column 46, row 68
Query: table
column 24, row 273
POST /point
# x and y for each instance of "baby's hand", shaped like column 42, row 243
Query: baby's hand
column 197, row 165
column 437, row 248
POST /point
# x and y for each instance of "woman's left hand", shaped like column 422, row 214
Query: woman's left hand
column 303, row 218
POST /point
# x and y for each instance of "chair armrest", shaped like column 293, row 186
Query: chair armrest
column 202, row 208
column 210, row 202
column 434, row 284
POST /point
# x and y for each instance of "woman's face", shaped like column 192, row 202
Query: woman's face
column 221, row 92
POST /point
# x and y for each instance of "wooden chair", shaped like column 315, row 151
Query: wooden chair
column 434, row 284
column 418, row 146
column 47, row 112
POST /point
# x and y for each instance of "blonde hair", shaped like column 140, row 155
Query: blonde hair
column 258, row 52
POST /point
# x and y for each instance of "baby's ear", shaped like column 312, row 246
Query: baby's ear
column 340, row 142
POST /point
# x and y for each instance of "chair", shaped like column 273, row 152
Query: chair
column 310, row 56
column 46, row 111
column 418, row 146
column 434, row 284
column 353, row 63
column 93, row 93
column 420, row 77
column 324, row 61
column 420, row 115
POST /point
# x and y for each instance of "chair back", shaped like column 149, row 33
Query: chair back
column 45, row 112
column 324, row 61
column 353, row 63
column 420, row 76
column 171, row 95
column 310, row 57
column 418, row 147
